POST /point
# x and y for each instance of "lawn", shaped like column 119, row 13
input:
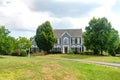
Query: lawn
column 44, row 68
column 85, row 57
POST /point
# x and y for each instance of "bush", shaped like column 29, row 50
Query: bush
column 16, row 53
column 55, row 52
column 112, row 53
column 71, row 52
column 88, row 53
column 23, row 53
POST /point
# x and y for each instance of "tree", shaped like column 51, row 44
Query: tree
column 100, row 36
column 7, row 43
column 45, row 37
column 117, row 51
column 3, row 35
column 113, row 42
column 9, row 46
column 23, row 43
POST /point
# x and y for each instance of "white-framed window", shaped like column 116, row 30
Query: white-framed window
column 78, row 40
column 73, row 40
column 65, row 40
column 58, row 41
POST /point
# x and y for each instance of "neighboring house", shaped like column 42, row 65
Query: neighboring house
column 67, row 40
column 34, row 47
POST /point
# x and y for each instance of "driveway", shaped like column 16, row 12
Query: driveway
column 93, row 62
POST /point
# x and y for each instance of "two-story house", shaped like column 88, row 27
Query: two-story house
column 66, row 40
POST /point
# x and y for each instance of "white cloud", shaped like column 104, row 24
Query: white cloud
column 17, row 15
column 106, row 11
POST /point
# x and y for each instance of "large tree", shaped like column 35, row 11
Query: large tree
column 117, row 51
column 100, row 36
column 7, row 43
column 45, row 37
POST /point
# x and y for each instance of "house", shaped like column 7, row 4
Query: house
column 34, row 47
column 66, row 40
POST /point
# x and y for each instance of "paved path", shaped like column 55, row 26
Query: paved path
column 92, row 62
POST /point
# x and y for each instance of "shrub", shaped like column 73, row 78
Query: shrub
column 23, row 53
column 55, row 52
column 16, row 53
column 71, row 52
column 112, row 53
column 88, row 53
column 76, row 52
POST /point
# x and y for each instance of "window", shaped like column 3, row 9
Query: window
column 58, row 41
column 75, row 40
column 65, row 40
column 78, row 41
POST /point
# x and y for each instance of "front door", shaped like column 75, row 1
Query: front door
column 66, row 49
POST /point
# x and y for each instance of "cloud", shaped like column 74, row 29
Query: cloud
column 17, row 16
column 63, row 23
column 22, row 17
column 64, row 9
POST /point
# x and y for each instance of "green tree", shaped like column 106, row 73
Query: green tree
column 100, row 36
column 117, row 51
column 3, row 35
column 113, row 42
column 45, row 37
column 23, row 43
column 9, row 46
column 7, row 43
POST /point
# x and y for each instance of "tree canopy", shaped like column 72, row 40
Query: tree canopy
column 23, row 43
column 7, row 43
column 45, row 37
column 100, row 36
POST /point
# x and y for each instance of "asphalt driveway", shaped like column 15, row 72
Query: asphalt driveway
column 93, row 62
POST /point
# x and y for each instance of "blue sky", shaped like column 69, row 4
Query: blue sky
column 22, row 17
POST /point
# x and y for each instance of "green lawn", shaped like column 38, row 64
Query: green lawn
column 85, row 57
column 44, row 68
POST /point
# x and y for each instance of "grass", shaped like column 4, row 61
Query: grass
column 44, row 68
column 86, row 57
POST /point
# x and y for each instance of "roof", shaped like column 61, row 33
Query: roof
column 72, row 32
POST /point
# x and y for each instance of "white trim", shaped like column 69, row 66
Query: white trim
column 66, row 33
column 66, row 40
column 78, row 46
column 78, row 40
column 73, row 46
column 63, row 48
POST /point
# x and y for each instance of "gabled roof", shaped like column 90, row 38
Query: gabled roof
column 72, row 32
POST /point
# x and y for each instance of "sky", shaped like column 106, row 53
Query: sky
column 22, row 17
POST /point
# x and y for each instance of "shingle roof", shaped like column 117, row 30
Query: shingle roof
column 72, row 32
